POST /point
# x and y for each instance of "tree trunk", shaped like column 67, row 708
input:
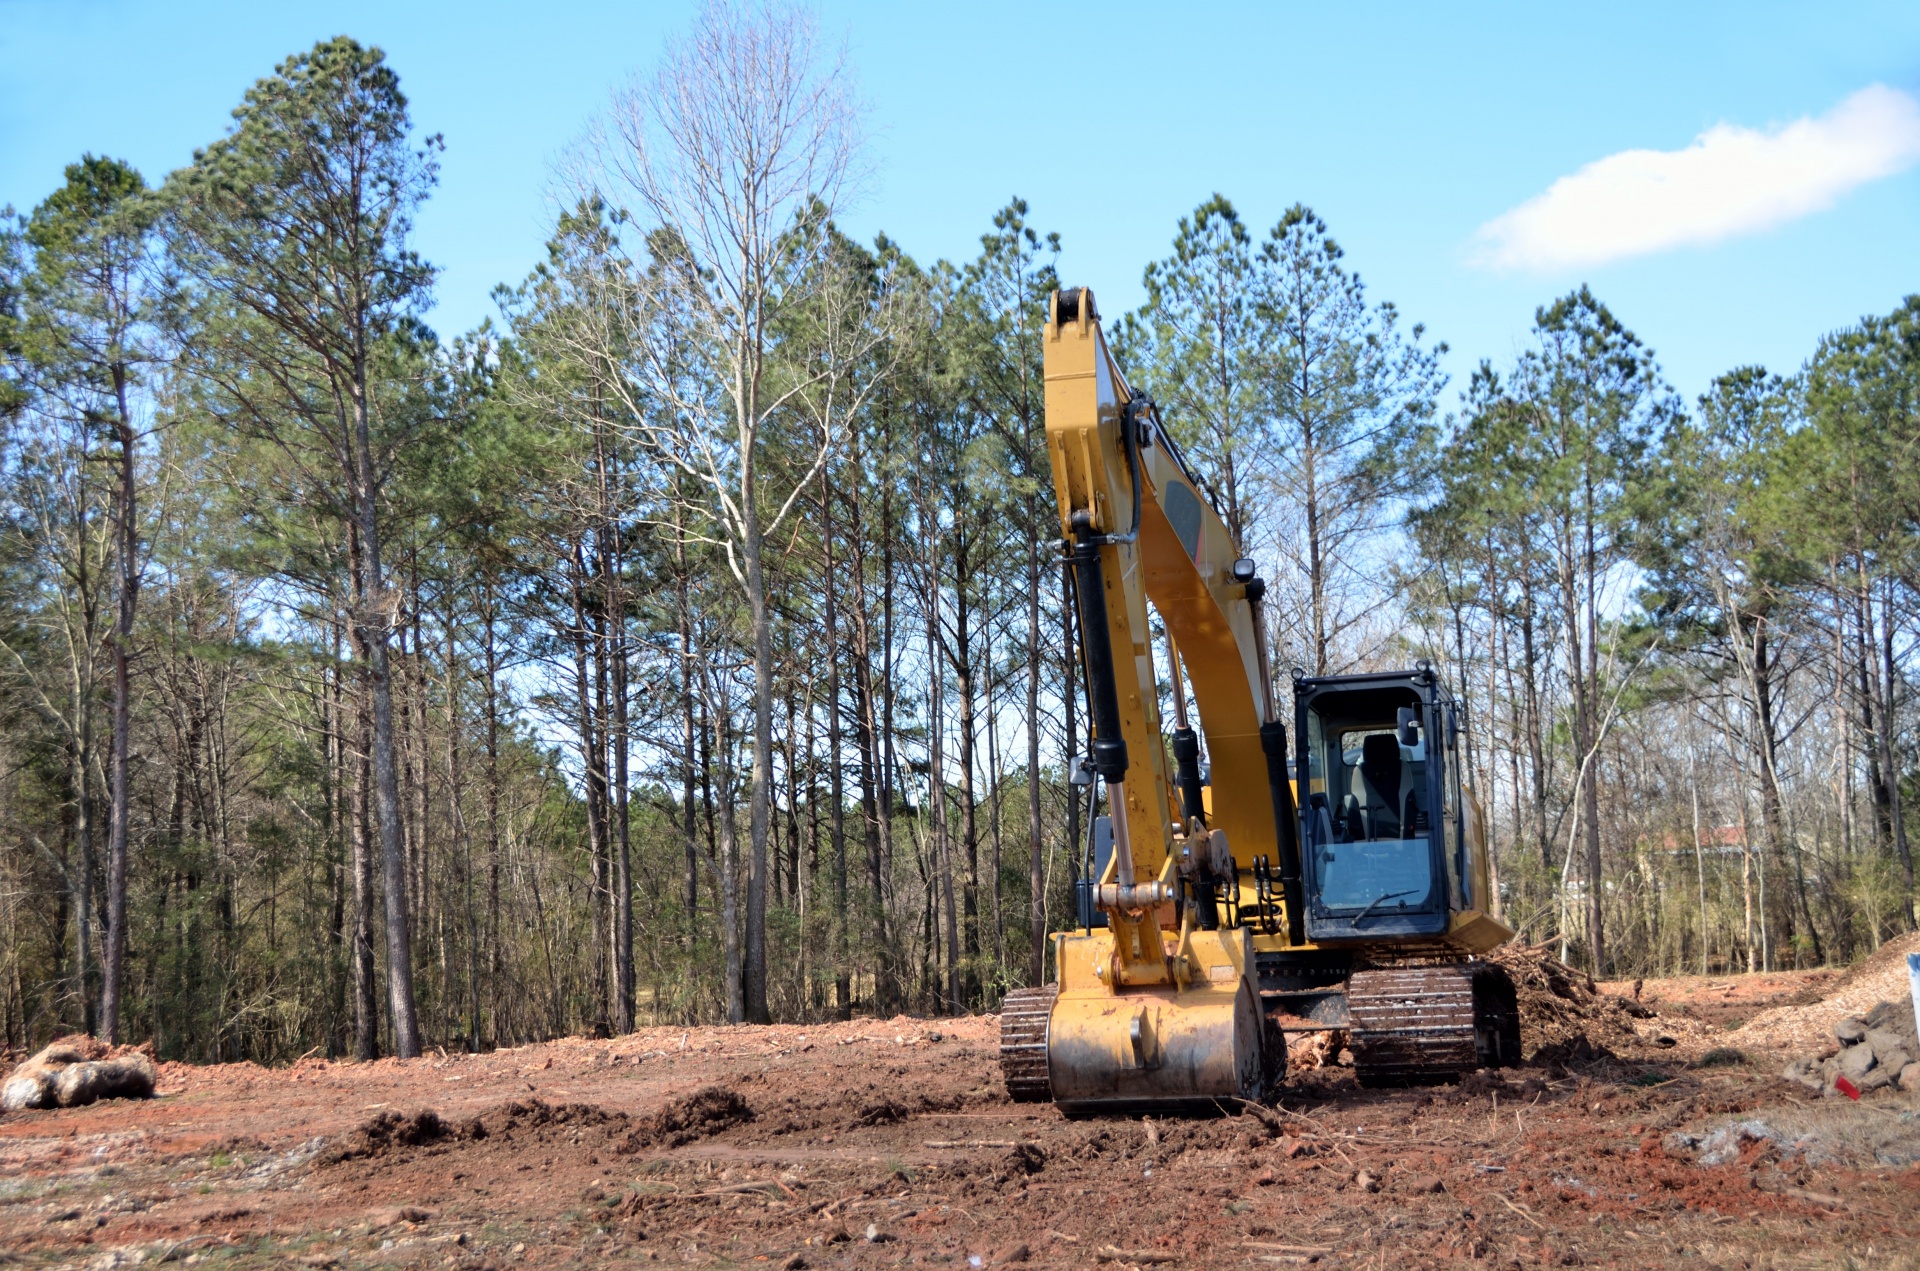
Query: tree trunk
column 836, row 778
column 969, row 819
column 366, row 1001
column 593, row 763
column 760, row 791
column 375, row 618
column 730, row 876
column 127, row 532
column 688, row 737
column 496, row 956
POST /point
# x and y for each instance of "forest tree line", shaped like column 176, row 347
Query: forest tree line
column 691, row 644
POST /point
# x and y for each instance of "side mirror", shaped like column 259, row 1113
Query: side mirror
column 1408, row 725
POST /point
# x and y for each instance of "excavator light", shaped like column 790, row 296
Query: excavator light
column 1244, row 569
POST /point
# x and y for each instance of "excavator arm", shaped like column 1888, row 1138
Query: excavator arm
column 1138, row 529
column 1135, row 1018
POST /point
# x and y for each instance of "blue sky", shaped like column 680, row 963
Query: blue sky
column 1411, row 128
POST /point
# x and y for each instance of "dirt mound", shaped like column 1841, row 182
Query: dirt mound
column 1807, row 1028
column 538, row 1114
column 706, row 1112
column 1563, row 1013
column 1885, row 966
column 386, row 1132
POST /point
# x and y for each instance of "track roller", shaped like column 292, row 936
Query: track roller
column 1024, row 1018
column 1422, row 1025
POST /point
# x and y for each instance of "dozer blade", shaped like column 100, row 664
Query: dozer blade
column 1091, row 1049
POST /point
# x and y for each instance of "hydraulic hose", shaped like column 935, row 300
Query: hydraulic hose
column 1286, row 825
column 1108, row 748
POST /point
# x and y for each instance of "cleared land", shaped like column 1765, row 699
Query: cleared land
column 886, row 1143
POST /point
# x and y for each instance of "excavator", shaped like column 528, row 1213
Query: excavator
column 1342, row 887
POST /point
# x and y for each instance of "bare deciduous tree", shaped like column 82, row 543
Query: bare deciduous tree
column 731, row 159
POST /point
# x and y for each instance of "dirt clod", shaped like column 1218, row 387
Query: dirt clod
column 883, row 1112
column 388, row 1131
column 1025, row 1158
column 706, row 1112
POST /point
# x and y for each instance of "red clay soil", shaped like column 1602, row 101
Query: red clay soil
column 891, row 1143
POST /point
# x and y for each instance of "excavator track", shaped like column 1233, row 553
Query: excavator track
column 1024, row 1018
column 1420, row 1025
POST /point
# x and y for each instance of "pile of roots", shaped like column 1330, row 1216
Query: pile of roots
column 78, row 1070
column 1563, row 1013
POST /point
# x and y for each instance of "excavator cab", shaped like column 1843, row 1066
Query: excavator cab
column 1383, row 826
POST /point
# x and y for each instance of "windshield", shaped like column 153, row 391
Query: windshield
column 1368, row 817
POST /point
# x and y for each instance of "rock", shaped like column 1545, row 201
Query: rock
column 875, row 1236
column 1884, row 1042
column 1424, row 1183
column 1894, row 1061
column 1012, row 1254
column 1856, row 1061
column 1848, row 1031
column 397, row 1215
column 1910, row 1078
column 1881, row 1075
column 1805, row 1072
column 1366, row 1182
column 1895, row 1017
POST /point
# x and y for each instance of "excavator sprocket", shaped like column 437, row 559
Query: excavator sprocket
column 1023, row 1043
column 1420, row 1025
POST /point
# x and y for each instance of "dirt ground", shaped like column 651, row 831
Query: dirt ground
column 891, row 1143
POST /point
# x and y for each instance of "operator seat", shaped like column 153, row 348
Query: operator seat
column 1379, row 777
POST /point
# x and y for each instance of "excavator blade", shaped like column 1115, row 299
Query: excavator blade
column 1091, row 1049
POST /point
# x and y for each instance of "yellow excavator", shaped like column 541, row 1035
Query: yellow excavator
column 1346, row 888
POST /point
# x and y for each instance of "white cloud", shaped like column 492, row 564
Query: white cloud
column 1730, row 181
